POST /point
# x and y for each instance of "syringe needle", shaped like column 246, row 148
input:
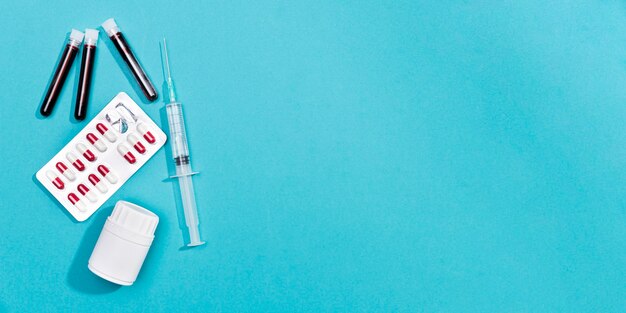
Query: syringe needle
column 166, row 66
column 167, row 59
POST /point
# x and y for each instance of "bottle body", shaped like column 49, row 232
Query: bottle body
column 123, row 243
column 84, row 82
column 116, row 259
column 133, row 64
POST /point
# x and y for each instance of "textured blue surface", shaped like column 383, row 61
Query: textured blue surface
column 441, row 156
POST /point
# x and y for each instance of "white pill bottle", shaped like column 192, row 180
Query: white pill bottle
column 123, row 243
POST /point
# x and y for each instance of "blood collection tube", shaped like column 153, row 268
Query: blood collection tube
column 86, row 67
column 113, row 31
column 67, row 58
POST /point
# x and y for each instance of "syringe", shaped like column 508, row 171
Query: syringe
column 180, row 153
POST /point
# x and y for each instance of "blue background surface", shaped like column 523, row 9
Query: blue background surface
column 412, row 156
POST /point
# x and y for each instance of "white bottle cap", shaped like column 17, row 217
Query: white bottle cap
column 110, row 27
column 76, row 36
column 123, row 243
column 91, row 36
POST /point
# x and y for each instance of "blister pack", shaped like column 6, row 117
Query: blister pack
column 102, row 157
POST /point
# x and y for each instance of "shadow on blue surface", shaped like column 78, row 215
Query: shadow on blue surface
column 79, row 277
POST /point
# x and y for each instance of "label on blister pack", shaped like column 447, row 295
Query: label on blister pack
column 102, row 157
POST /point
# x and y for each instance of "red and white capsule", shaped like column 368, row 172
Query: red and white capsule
column 96, row 142
column 55, row 179
column 78, row 164
column 75, row 200
column 85, row 152
column 104, row 131
column 125, row 152
column 82, row 188
column 67, row 172
column 95, row 181
column 147, row 135
column 134, row 141
column 104, row 171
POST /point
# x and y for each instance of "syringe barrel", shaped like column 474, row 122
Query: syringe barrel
column 189, row 200
column 189, row 206
column 178, row 136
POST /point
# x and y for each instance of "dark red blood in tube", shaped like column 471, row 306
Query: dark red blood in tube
column 84, row 82
column 135, row 68
column 60, row 74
